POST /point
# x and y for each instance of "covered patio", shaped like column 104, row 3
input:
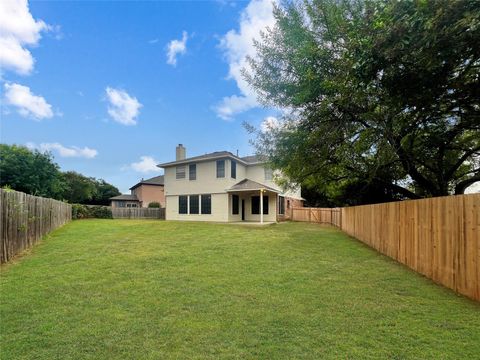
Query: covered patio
column 252, row 202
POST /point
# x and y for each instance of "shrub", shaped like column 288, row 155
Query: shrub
column 79, row 211
column 154, row 204
column 91, row 211
column 101, row 212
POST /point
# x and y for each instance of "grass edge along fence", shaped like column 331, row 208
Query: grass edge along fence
column 436, row 237
column 24, row 219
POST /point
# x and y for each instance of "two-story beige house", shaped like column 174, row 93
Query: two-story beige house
column 223, row 187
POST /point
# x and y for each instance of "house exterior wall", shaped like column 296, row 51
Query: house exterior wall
column 150, row 193
column 219, row 208
column 206, row 182
column 257, row 173
column 247, row 197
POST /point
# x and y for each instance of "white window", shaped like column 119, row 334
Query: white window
column 220, row 168
column 268, row 174
column 192, row 172
column 180, row 172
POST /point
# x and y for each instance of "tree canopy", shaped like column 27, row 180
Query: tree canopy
column 36, row 173
column 30, row 171
column 382, row 98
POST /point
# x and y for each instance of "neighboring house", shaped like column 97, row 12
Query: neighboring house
column 223, row 187
column 142, row 194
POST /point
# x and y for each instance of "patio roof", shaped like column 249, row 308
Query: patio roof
column 250, row 185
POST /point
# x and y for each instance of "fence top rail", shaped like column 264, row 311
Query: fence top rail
column 386, row 203
column 408, row 201
column 9, row 191
column 315, row 208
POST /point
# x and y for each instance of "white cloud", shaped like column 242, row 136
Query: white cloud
column 176, row 47
column 146, row 164
column 153, row 41
column 63, row 151
column 18, row 29
column 237, row 45
column 123, row 108
column 27, row 104
column 473, row 189
column 269, row 123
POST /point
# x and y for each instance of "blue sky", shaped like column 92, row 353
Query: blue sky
column 93, row 82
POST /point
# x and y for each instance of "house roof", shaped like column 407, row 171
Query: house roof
column 250, row 185
column 254, row 159
column 125, row 197
column 247, row 160
column 156, row 180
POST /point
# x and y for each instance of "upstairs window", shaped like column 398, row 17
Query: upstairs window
column 235, row 204
column 183, row 204
column 268, row 174
column 180, row 172
column 233, row 169
column 206, row 204
column 192, row 172
column 194, row 204
column 220, row 168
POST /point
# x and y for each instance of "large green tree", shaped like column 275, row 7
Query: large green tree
column 103, row 192
column 79, row 188
column 36, row 173
column 30, row 171
column 383, row 97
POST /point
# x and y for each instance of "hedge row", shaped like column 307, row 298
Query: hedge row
column 91, row 211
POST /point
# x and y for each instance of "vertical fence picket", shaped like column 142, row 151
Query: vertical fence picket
column 24, row 219
column 437, row 237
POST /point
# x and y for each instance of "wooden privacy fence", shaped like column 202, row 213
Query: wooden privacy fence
column 138, row 213
column 318, row 215
column 437, row 237
column 24, row 219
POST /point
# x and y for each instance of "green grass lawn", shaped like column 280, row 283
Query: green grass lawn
column 126, row 289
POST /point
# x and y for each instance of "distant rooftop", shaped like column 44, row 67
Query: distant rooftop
column 156, row 180
column 125, row 197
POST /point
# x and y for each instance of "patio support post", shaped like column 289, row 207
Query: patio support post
column 261, row 206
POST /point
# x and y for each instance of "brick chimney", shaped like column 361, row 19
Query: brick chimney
column 181, row 152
